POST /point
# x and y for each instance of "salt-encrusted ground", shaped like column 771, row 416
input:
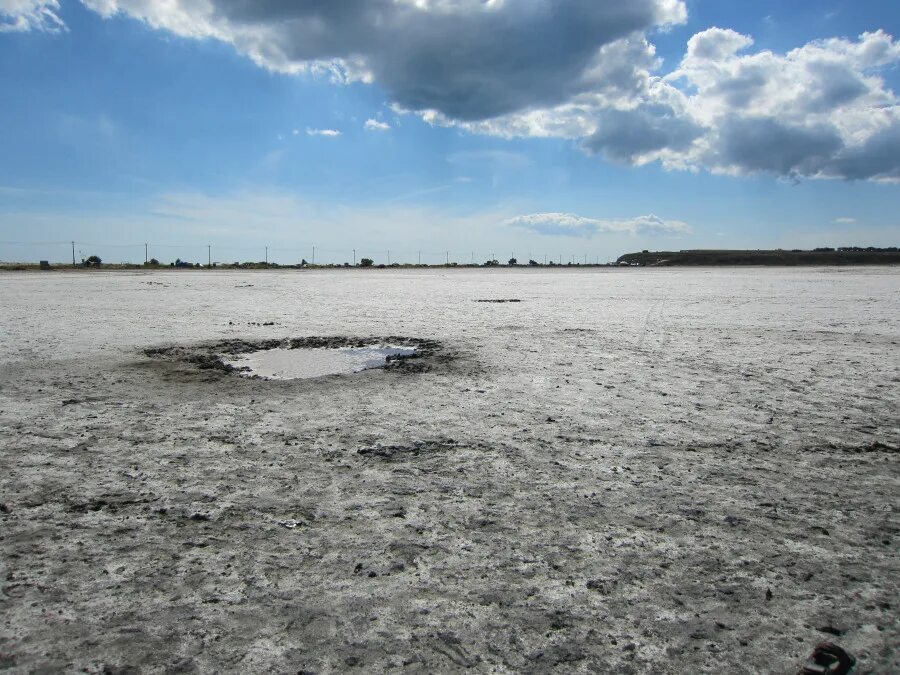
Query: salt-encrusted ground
column 627, row 471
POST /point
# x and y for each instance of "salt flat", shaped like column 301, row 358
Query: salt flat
column 630, row 470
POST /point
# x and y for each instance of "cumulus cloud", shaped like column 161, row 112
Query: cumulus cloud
column 572, row 225
column 25, row 15
column 583, row 70
column 878, row 156
column 767, row 144
column 467, row 59
column 323, row 132
column 376, row 125
column 819, row 111
column 637, row 136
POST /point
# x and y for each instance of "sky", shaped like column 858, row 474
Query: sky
column 445, row 129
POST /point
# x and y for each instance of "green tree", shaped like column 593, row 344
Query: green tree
column 366, row 262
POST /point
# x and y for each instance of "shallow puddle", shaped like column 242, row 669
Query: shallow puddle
column 293, row 364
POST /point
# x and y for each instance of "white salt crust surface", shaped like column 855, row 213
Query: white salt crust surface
column 609, row 477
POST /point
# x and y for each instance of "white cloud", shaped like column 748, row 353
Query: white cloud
column 821, row 110
column 322, row 132
column 572, row 225
column 375, row 125
column 818, row 111
column 845, row 221
column 25, row 15
column 468, row 59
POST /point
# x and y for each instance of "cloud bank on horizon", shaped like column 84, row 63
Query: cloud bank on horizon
column 818, row 111
column 573, row 225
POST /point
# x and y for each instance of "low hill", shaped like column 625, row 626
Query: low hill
column 820, row 256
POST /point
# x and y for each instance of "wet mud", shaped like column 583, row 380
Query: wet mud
column 429, row 354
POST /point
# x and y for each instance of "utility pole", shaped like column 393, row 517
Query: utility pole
column 73, row 254
column 389, row 256
column 545, row 258
column 473, row 258
column 448, row 257
column 267, row 256
column 145, row 254
column 314, row 256
column 420, row 257
column 209, row 255
column 585, row 258
column 354, row 257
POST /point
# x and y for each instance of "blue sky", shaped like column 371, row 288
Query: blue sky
column 124, row 121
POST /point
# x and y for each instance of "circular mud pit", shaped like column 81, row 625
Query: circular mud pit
column 309, row 357
column 284, row 363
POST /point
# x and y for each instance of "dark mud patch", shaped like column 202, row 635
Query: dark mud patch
column 111, row 503
column 499, row 300
column 889, row 448
column 861, row 449
column 213, row 357
column 402, row 452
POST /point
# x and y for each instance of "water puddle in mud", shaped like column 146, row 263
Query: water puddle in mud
column 292, row 364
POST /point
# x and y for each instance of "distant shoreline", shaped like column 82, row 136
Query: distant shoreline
column 849, row 256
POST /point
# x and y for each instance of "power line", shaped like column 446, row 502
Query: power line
column 193, row 251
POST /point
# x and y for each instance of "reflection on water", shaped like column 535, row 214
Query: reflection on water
column 292, row 364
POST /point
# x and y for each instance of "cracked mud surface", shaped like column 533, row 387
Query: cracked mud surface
column 629, row 471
